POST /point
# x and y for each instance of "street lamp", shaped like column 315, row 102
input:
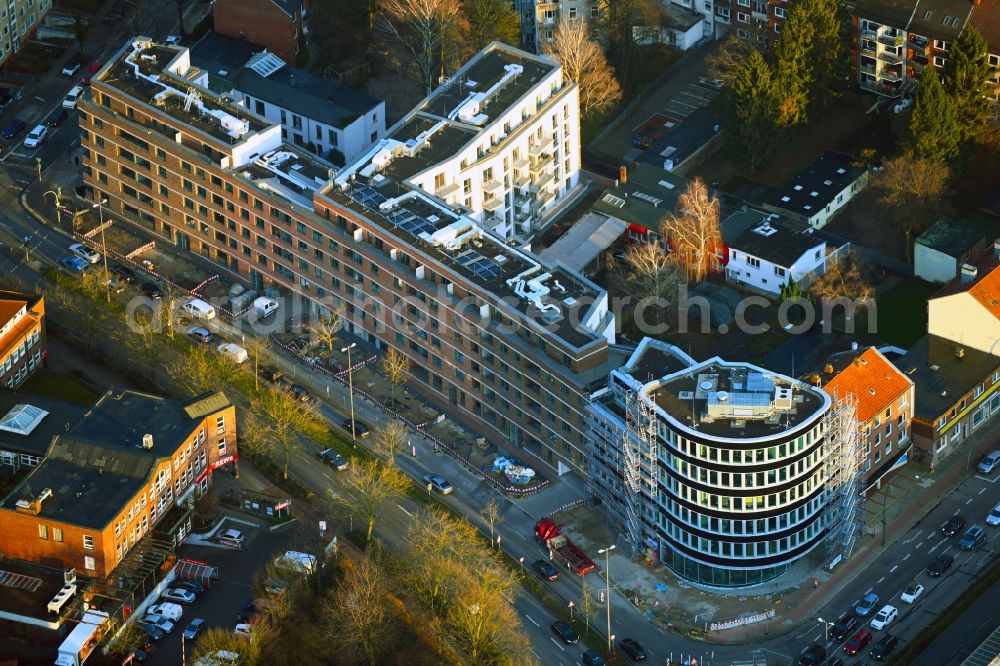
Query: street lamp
column 57, row 195
column 107, row 276
column 888, row 489
column 826, row 629
column 607, row 590
column 350, row 388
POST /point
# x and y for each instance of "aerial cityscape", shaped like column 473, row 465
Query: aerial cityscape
column 527, row 332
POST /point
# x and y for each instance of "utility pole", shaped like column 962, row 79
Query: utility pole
column 350, row 388
column 607, row 589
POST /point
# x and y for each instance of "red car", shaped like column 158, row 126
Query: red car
column 92, row 69
column 858, row 642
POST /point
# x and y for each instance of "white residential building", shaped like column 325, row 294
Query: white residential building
column 821, row 189
column 771, row 251
column 500, row 140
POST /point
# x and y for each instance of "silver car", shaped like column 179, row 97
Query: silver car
column 990, row 462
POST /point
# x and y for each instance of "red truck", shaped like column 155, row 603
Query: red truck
column 547, row 534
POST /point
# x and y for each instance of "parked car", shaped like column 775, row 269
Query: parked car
column 151, row 290
column 912, row 593
column 940, row 565
column 989, row 462
column 859, row 641
column 71, row 68
column 812, row 656
column 200, row 334
column 233, row 352
column 72, row 97
column 56, row 118
column 13, row 128
column 885, row 645
column 172, row 612
column 565, row 632
column 300, row 393
column 158, row 621
column 360, row 429
column 592, row 658
column 36, row 136
column 867, row 604
column 438, row 483
column 844, row 626
column 993, row 519
column 243, row 628
column 334, row 459
column 545, row 569
column 74, row 264
column 231, row 537
column 973, row 537
column 92, row 69
column 193, row 629
column 85, row 253
column 953, row 525
column 884, row 617
column 271, row 374
column 632, row 649
column 180, row 595
column 153, row 632
column 195, row 586
column 123, row 273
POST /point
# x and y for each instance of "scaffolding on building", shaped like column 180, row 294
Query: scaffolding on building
column 845, row 475
column 638, row 447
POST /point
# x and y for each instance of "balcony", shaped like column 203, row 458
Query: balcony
column 890, row 74
column 491, row 185
column 890, row 40
column 885, row 89
column 890, row 57
column 867, row 69
column 493, row 205
column 867, row 49
column 446, row 190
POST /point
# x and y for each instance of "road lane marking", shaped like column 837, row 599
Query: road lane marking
column 531, row 620
column 404, row 510
column 880, row 580
column 818, row 636
column 893, row 568
column 938, row 545
column 919, row 546
column 868, row 591
column 981, row 491
column 907, row 557
column 557, row 644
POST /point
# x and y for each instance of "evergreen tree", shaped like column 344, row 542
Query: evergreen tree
column 966, row 72
column 830, row 58
column 752, row 111
column 934, row 130
column 793, row 63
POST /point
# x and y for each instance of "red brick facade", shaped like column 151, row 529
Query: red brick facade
column 262, row 22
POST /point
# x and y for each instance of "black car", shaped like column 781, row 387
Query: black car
column 13, row 128
column 592, row 658
column 360, row 429
column 123, row 273
column 545, row 570
column 844, row 627
column 300, row 393
column 632, row 649
column 271, row 374
column 151, row 290
column 195, row 586
column 154, row 633
column 813, row 656
column 56, row 118
column 884, row 646
column 940, row 565
column 565, row 632
column 333, row 459
column 953, row 526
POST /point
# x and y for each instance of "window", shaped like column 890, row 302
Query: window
column 89, row 563
column 222, row 446
column 57, row 534
column 779, row 271
column 742, row 18
column 88, row 542
column 780, row 12
column 220, row 424
column 938, row 61
column 753, row 262
column 43, row 532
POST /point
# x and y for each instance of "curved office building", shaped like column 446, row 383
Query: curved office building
column 742, row 471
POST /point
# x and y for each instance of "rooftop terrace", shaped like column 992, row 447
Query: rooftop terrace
column 737, row 400
column 156, row 75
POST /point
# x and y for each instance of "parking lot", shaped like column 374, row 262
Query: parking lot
column 692, row 96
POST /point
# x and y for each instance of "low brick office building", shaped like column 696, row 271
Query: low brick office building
column 22, row 336
column 109, row 480
column 280, row 26
column 501, row 340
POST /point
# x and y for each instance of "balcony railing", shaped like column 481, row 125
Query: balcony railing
column 891, row 40
column 890, row 57
column 881, row 89
column 890, row 74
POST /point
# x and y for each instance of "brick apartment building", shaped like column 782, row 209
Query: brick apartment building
column 22, row 336
column 19, row 20
column 124, row 471
column 883, row 398
column 497, row 338
column 281, row 26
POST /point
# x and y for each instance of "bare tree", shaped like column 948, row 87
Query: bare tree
column 585, row 64
column 325, row 328
column 200, row 369
column 396, row 366
column 146, row 340
column 491, row 20
column 374, row 483
column 390, row 438
column 729, row 57
column 693, row 232
column 842, row 279
column 586, row 603
column 441, row 547
column 482, row 619
column 248, row 646
column 417, row 27
column 650, row 273
column 491, row 514
column 914, row 191
column 357, row 615
column 279, row 418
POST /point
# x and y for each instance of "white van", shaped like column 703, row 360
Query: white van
column 265, row 306
column 171, row 611
column 233, row 538
column 302, row 562
column 72, row 97
column 199, row 309
column 233, row 352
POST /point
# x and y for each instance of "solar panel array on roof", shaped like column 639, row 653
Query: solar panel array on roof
column 478, row 264
column 402, row 218
column 366, row 196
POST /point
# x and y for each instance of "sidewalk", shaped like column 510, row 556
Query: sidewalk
column 909, row 509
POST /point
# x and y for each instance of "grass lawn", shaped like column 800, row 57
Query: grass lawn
column 61, row 387
column 902, row 312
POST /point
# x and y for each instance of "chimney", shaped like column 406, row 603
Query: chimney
column 828, row 368
column 968, row 273
column 147, row 441
column 623, row 174
column 33, row 506
column 960, row 352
